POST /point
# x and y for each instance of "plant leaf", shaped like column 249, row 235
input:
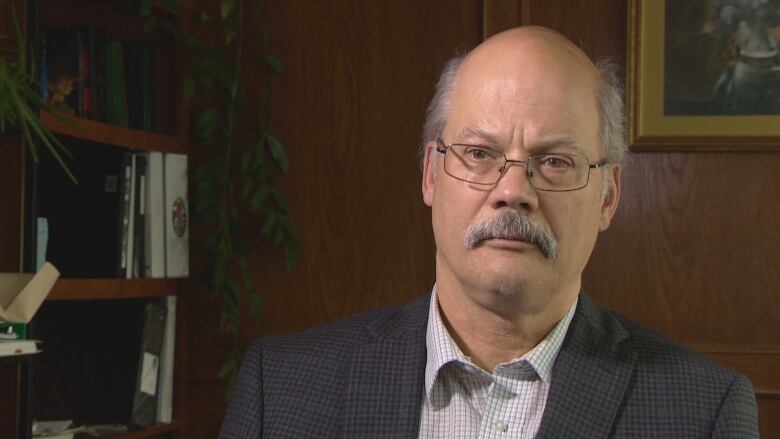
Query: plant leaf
column 151, row 24
column 226, row 7
column 188, row 87
column 258, row 199
column 146, row 7
column 230, row 35
column 268, row 226
column 279, row 199
column 274, row 64
column 207, row 125
column 277, row 152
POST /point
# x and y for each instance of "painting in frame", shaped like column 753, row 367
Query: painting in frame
column 704, row 75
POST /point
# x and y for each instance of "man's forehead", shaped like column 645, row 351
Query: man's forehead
column 532, row 42
column 528, row 54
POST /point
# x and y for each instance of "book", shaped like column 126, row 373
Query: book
column 115, row 87
column 140, row 212
column 167, row 355
column 138, row 72
column 125, row 212
column 90, row 72
column 130, row 257
column 146, row 397
column 17, row 347
column 176, row 216
column 154, row 229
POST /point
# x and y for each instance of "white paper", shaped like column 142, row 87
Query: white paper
column 149, row 374
column 41, row 427
column 42, row 243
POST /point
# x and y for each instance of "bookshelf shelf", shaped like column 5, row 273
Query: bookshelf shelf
column 94, row 131
column 150, row 432
column 84, row 289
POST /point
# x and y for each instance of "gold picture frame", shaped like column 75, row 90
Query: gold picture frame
column 650, row 128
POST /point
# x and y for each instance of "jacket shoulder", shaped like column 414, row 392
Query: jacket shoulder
column 653, row 351
column 657, row 352
column 389, row 322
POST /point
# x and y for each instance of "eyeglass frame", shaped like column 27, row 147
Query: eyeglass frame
column 442, row 148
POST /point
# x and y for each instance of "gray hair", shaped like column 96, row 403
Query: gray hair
column 612, row 131
column 612, row 111
column 439, row 108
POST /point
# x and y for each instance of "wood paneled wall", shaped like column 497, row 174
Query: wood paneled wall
column 350, row 108
column 692, row 249
column 690, row 253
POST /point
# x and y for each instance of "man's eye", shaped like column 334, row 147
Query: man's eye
column 557, row 162
column 479, row 154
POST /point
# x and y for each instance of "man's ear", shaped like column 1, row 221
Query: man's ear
column 611, row 198
column 429, row 172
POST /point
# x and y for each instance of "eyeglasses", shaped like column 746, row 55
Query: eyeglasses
column 485, row 166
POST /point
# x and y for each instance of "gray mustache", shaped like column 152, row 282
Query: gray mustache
column 510, row 224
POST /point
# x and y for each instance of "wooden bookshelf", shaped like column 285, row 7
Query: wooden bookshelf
column 88, row 289
column 114, row 305
column 151, row 432
column 94, row 131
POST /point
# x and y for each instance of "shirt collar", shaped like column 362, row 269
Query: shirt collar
column 442, row 349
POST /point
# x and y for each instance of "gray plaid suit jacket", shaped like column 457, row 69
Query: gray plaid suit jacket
column 363, row 377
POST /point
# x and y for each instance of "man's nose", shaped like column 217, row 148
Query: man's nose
column 514, row 188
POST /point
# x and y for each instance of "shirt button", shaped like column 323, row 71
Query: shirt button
column 501, row 426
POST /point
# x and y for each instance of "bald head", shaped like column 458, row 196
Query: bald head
column 540, row 60
column 524, row 48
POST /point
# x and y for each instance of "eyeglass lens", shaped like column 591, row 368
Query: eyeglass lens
column 481, row 165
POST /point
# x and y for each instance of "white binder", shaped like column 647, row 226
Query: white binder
column 177, row 216
column 154, row 239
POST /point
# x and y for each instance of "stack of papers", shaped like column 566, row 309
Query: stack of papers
column 64, row 429
column 18, row 347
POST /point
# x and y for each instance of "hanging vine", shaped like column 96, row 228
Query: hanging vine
column 237, row 186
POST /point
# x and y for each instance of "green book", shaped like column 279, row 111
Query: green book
column 116, row 112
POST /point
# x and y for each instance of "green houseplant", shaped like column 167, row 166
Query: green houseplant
column 19, row 103
column 237, row 185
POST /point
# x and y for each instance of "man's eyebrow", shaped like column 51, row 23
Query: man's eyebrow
column 564, row 142
column 478, row 133
column 472, row 134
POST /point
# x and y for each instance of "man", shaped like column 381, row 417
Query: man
column 521, row 169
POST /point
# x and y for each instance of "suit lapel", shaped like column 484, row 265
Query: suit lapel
column 385, row 377
column 590, row 376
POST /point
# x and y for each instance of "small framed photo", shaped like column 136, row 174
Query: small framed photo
column 704, row 75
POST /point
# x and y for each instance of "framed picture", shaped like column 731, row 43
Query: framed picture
column 704, row 75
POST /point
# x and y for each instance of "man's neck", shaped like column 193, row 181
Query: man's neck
column 491, row 335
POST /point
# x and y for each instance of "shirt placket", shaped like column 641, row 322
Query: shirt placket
column 503, row 416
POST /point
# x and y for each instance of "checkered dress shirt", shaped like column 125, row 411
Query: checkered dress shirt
column 461, row 400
